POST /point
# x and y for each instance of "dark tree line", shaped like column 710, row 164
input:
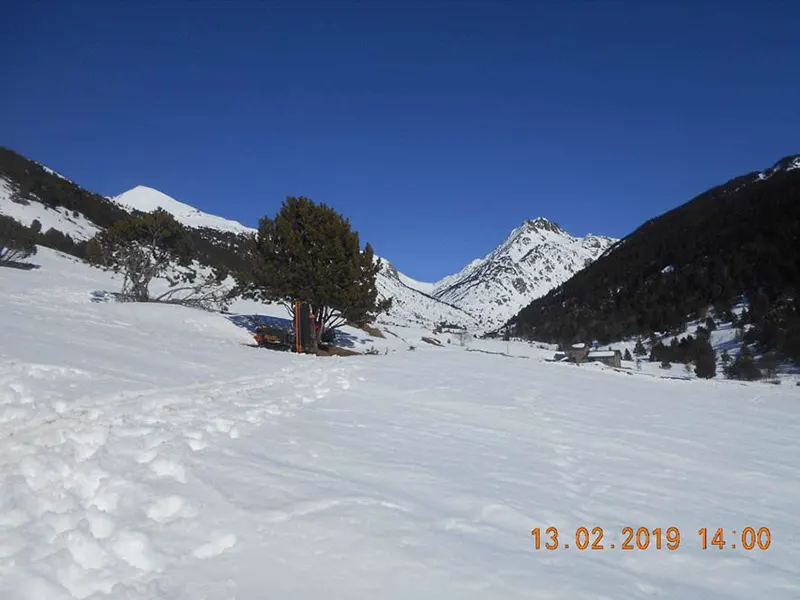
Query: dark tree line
column 736, row 241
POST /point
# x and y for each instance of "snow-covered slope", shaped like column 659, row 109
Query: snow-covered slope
column 26, row 212
column 145, row 199
column 412, row 307
column 146, row 453
column 536, row 257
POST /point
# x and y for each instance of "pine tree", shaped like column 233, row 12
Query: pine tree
column 639, row 349
column 705, row 363
column 627, row 355
column 743, row 367
column 769, row 363
column 143, row 248
column 310, row 253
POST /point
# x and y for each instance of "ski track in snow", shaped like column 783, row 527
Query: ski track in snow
column 76, row 483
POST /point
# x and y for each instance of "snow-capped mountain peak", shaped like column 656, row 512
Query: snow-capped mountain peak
column 535, row 257
column 541, row 223
column 147, row 199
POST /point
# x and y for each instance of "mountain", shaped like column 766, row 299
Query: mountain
column 736, row 241
column 536, row 257
column 69, row 215
column 145, row 199
column 411, row 306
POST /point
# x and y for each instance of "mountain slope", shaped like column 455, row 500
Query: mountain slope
column 410, row 306
column 71, row 215
column 536, row 257
column 738, row 238
column 26, row 211
column 146, row 199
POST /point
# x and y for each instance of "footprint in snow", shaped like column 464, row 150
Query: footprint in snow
column 218, row 544
column 169, row 509
column 168, row 468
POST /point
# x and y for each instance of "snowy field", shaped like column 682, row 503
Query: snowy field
column 147, row 452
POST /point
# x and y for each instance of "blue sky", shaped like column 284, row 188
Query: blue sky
column 436, row 126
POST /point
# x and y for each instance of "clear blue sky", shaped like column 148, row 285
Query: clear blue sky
column 436, row 126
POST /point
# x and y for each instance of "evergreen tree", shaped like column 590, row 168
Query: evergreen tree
column 143, row 248
column 710, row 324
column 639, row 349
column 309, row 253
column 743, row 367
column 769, row 363
column 706, row 363
column 627, row 355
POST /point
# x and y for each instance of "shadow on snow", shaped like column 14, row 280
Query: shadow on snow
column 251, row 322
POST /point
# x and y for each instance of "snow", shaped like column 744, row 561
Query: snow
column 61, row 219
column 536, row 257
column 602, row 354
column 412, row 307
column 52, row 172
column 578, row 346
column 147, row 199
column 147, row 452
column 421, row 286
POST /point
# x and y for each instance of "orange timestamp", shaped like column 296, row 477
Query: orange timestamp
column 643, row 538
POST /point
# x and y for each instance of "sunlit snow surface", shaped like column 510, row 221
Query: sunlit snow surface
column 147, row 452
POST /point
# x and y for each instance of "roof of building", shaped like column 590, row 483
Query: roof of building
column 603, row 354
column 578, row 346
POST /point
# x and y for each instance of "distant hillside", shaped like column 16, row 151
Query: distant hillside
column 69, row 214
column 738, row 239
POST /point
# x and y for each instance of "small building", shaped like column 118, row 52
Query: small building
column 577, row 353
column 612, row 358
